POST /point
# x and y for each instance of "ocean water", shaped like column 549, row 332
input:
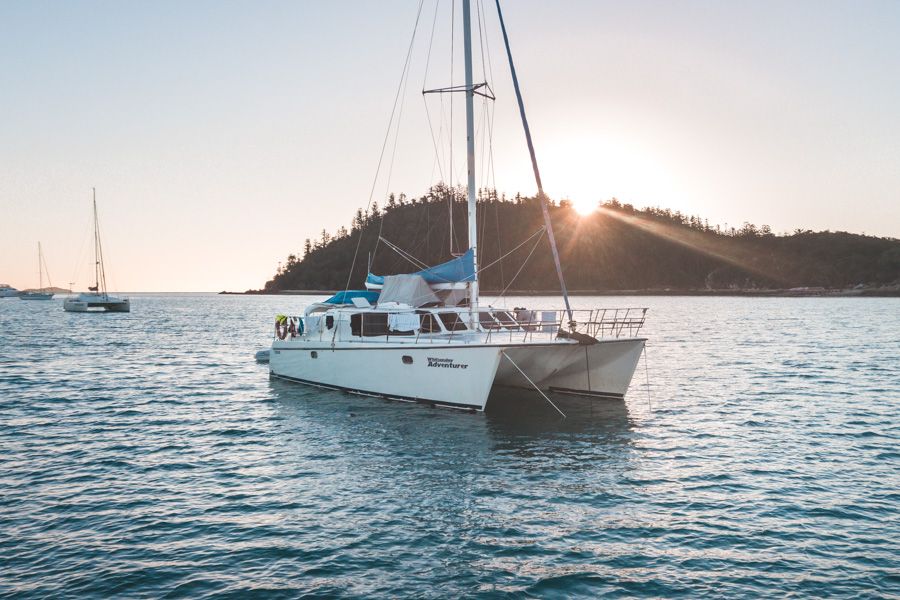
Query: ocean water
column 148, row 455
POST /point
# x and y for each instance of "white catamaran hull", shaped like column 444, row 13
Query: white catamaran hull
column 459, row 376
column 82, row 304
column 601, row 370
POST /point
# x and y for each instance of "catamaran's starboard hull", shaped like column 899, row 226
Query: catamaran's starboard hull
column 75, row 305
column 601, row 370
column 459, row 377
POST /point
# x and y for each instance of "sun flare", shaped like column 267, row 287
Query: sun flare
column 586, row 170
column 584, row 206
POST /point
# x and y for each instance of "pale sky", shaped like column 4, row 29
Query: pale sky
column 219, row 134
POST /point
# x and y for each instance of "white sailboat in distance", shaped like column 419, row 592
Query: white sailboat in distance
column 41, row 293
column 427, row 337
column 97, row 299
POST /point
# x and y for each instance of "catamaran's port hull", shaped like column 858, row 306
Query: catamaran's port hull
column 460, row 376
column 76, row 306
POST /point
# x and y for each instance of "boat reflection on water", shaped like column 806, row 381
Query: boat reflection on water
column 516, row 421
column 527, row 411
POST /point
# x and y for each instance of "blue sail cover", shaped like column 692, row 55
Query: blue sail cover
column 460, row 269
column 348, row 296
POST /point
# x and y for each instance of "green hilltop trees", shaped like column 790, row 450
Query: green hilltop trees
column 617, row 247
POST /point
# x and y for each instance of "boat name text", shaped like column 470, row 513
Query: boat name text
column 445, row 363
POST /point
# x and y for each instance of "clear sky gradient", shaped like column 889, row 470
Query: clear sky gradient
column 219, row 134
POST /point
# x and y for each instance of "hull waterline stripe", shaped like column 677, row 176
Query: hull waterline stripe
column 588, row 393
column 371, row 394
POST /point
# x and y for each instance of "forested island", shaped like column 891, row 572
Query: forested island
column 616, row 248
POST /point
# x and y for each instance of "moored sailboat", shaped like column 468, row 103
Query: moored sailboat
column 97, row 299
column 427, row 337
column 41, row 293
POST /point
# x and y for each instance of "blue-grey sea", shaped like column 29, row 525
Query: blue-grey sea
column 148, row 455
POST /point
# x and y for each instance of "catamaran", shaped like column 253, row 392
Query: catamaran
column 97, row 299
column 41, row 293
column 427, row 337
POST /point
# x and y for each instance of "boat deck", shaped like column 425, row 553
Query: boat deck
column 442, row 326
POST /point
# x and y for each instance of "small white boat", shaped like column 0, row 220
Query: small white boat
column 36, row 295
column 96, row 299
column 96, row 302
column 7, row 291
column 41, row 293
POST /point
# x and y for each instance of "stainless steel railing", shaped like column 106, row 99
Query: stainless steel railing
column 498, row 325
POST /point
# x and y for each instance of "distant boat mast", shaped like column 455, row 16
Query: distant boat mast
column 40, row 270
column 99, row 270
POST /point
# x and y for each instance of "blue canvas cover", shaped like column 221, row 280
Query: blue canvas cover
column 347, row 297
column 460, row 269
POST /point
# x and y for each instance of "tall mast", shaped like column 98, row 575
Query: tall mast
column 99, row 271
column 96, row 246
column 470, row 153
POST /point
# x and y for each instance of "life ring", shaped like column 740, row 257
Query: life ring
column 292, row 327
column 281, row 326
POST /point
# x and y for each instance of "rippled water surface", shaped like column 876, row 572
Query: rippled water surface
column 146, row 454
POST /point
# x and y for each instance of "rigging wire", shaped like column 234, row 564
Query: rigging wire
column 404, row 254
column 386, row 137
column 537, row 175
column 528, row 239
column 387, row 185
column 490, row 172
column 434, row 142
column 527, row 258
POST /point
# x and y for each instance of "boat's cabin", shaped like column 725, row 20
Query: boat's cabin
column 398, row 321
column 407, row 309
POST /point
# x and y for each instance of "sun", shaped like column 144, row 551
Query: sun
column 586, row 169
column 584, row 206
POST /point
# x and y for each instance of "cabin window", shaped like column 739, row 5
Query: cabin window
column 400, row 322
column 429, row 323
column 369, row 324
column 329, row 321
column 452, row 321
column 314, row 354
column 407, row 359
column 487, row 321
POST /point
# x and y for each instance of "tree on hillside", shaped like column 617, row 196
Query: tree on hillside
column 616, row 248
